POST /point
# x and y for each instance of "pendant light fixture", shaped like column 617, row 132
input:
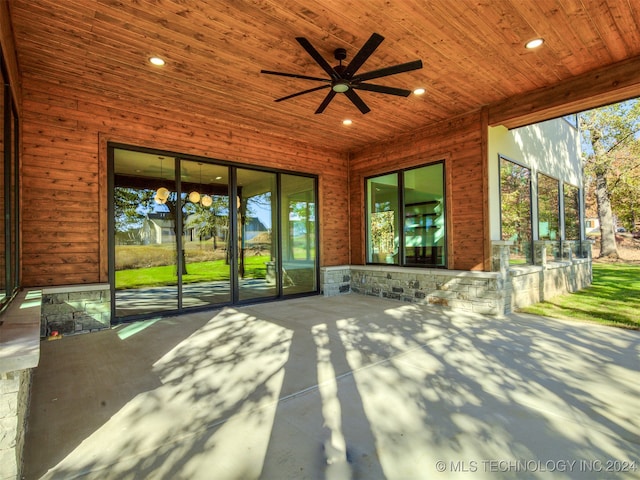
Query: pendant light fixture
column 206, row 201
column 195, row 197
column 162, row 194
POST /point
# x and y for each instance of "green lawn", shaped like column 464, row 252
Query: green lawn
column 216, row 270
column 612, row 299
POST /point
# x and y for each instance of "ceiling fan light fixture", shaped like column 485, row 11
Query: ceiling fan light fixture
column 535, row 43
column 340, row 87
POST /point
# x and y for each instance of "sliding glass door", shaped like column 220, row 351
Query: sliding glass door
column 144, row 236
column 298, row 234
column 257, row 239
column 195, row 234
column 206, row 276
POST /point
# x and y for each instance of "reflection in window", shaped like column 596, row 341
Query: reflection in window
column 145, row 261
column 257, row 245
column 9, row 197
column 298, row 234
column 571, row 212
column 548, row 208
column 420, row 203
column 424, row 220
column 515, row 210
column 182, row 241
column 382, row 219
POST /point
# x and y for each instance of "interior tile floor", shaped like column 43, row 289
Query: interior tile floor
column 336, row 388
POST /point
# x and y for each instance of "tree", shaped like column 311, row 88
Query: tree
column 133, row 205
column 607, row 132
column 625, row 187
column 211, row 221
column 130, row 207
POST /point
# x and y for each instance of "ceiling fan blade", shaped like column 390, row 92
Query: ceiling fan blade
column 326, row 101
column 302, row 93
column 382, row 89
column 317, row 57
column 384, row 72
column 295, row 75
column 357, row 101
column 365, row 52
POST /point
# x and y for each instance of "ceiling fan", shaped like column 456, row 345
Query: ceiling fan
column 343, row 79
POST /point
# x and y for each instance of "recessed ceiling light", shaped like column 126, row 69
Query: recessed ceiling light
column 347, row 122
column 419, row 91
column 218, row 178
column 157, row 61
column 535, row 43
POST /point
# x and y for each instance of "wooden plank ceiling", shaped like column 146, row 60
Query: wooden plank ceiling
column 472, row 50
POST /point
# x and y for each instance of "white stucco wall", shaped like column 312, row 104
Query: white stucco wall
column 551, row 147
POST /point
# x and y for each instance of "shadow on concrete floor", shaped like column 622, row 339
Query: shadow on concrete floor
column 340, row 387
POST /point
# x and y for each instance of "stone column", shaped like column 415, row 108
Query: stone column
column 500, row 263
column 567, row 250
column 539, row 253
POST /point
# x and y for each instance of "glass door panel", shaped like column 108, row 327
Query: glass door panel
column 298, row 234
column 257, row 264
column 206, row 279
column 145, row 207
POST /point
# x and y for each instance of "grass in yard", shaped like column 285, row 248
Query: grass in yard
column 612, row 299
column 217, row 270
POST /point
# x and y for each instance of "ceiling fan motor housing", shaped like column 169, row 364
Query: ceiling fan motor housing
column 345, row 79
column 340, row 54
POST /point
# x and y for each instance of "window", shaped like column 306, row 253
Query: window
column 417, row 197
column 382, row 219
column 515, row 210
column 9, row 187
column 548, row 208
column 549, row 215
column 572, row 212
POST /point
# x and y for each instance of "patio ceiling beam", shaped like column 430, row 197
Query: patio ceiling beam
column 614, row 83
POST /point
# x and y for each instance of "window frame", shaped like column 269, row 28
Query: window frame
column 559, row 211
column 530, row 260
column 10, row 191
column 564, row 212
column 400, row 199
column 233, row 167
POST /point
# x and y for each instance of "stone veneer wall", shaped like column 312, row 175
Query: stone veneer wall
column 14, row 400
column 75, row 309
column 479, row 292
column 19, row 355
column 493, row 293
column 335, row 280
column 532, row 284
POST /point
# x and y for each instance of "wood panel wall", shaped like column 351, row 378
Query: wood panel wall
column 64, row 207
column 459, row 142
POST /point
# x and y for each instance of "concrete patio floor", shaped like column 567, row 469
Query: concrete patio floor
column 339, row 387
